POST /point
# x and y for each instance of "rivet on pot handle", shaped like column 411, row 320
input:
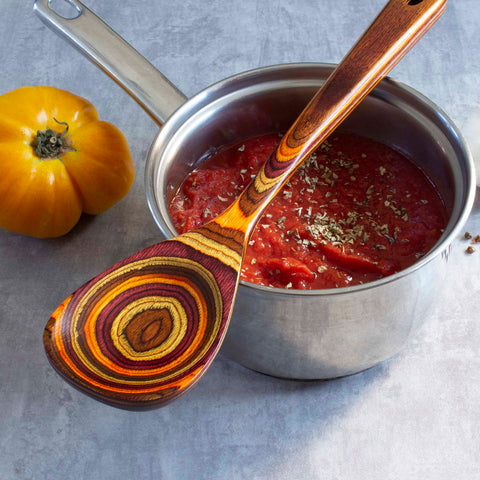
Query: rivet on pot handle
column 154, row 92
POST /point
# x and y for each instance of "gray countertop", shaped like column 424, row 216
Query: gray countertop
column 415, row 416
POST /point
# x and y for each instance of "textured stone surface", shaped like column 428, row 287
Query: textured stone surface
column 416, row 416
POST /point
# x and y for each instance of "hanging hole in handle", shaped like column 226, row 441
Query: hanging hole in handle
column 66, row 9
column 414, row 2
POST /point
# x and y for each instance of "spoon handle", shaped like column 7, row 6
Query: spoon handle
column 395, row 30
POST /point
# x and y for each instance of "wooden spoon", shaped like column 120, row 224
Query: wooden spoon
column 143, row 332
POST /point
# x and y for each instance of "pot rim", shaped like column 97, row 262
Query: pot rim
column 443, row 243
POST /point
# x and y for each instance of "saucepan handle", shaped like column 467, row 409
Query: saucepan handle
column 95, row 39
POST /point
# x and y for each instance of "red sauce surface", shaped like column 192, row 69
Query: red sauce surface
column 356, row 211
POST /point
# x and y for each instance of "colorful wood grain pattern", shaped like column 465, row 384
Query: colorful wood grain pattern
column 144, row 331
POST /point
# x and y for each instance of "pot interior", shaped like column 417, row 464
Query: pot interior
column 270, row 99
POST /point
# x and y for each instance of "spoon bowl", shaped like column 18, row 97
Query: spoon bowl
column 143, row 331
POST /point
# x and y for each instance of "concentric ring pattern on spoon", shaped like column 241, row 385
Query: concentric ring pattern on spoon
column 145, row 328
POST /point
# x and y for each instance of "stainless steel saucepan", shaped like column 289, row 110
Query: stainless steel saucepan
column 312, row 334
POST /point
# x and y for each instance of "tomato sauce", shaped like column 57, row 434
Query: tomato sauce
column 356, row 211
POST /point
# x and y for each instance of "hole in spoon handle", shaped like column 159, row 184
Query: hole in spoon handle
column 414, row 2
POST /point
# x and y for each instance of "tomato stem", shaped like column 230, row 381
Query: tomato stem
column 51, row 144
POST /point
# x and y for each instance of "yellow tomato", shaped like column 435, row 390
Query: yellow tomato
column 57, row 159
